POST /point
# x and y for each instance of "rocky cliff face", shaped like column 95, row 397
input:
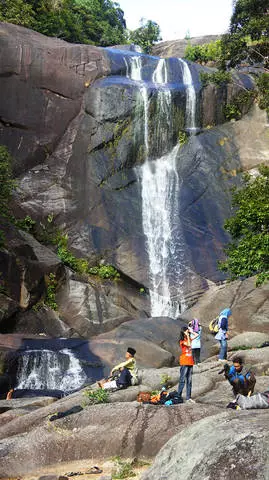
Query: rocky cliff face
column 176, row 48
column 91, row 129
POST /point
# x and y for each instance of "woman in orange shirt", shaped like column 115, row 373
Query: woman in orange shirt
column 186, row 364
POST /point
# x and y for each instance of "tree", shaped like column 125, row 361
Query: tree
column 248, row 33
column 18, row 12
column 146, row 35
column 248, row 253
column 98, row 22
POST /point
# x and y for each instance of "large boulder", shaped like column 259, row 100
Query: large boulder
column 249, row 305
column 248, row 340
column 48, row 76
column 98, row 431
column 222, row 446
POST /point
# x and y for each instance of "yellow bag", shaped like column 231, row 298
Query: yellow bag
column 214, row 326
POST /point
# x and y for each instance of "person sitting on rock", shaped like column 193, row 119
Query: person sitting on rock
column 240, row 377
column 128, row 373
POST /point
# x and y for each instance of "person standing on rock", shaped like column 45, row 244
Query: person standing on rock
column 222, row 334
column 186, row 364
column 196, row 332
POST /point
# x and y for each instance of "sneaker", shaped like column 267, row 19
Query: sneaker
column 190, row 400
column 233, row 405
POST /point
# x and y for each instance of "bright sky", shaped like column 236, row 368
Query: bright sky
column 179, row 17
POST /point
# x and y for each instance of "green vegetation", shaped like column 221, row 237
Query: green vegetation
column 182, row 137
column 247, row 39
column 6, row 181
column 7, row 186
column 123, row 469
column 97, row 22
column 218, row 78
column 50, row 299
column 104, row 271
column 27, row 224
column 165, row 380
column 146, row 35
column 204, row 53
column 47, row 233
column 248, row 253
column 96, row 396
column 240, row 104
column 263, row 91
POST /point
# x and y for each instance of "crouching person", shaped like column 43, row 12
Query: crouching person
column 128, row 374
column 240, row 377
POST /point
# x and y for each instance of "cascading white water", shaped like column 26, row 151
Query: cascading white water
column 163, row 118
column 49, row 370
column 190, row 95
column 160, row 190
column 134, row 72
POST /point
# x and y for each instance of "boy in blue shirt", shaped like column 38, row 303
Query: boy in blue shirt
column 240, row 377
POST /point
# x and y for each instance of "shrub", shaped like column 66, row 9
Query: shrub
column 123, row 469
column 27, row 224
column 104, row 271
column 50, row 299
column 218, row 78
column 96, row 396
column 204, row 53
column 263, row 96
column 240, row 104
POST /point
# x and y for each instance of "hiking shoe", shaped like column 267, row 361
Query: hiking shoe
column 190, row 400
column 233, row 405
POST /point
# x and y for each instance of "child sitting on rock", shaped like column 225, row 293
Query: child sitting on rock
column 128, row 373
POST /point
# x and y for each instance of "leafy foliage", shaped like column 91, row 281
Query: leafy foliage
column 7, row 186
column 146, row 35
column 104, row 271
column 218, row 78
column 50, row 299
column 123, row 469
column 98, row 22
column 263, row 91
column 249, row 31
column 27, row 224
column 248, row 253
column 240, row 104
column 204, row 53
column 6, row 180
column 96, row 396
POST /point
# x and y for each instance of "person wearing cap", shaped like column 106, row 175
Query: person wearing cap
column 128, row 373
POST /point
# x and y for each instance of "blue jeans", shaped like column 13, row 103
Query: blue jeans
column 185, row 374
column 223, row 349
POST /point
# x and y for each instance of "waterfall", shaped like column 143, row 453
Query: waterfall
column 134, row 72
column 163, row 131
column 160, row 184
column 49, row 370
column 190, row 95
column 160, row 191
